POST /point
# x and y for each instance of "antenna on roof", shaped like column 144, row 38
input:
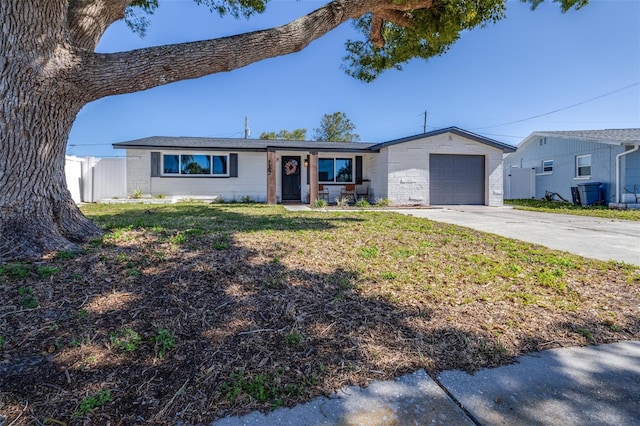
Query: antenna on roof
column 247, row 130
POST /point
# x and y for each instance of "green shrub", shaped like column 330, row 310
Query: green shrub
column 320, row 203
column 362, row 203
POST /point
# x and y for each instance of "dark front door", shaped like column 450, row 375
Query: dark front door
column 291, row 179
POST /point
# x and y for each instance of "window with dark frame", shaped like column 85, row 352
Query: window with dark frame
column 335, row 170
column 195, row 165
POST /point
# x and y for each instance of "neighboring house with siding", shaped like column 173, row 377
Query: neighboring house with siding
column 555, row 161
column 448, row 166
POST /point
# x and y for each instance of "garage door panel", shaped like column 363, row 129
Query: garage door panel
column 456, row 179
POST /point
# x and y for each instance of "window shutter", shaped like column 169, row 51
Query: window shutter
column 358, row 169
column 308, row 162
column 155, row 164
column 233, row 165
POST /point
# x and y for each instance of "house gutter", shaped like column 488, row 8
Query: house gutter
column 618, row 178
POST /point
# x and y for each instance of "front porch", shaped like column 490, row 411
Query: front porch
column 304, row 177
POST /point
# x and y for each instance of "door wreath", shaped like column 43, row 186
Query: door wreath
column 290, row 167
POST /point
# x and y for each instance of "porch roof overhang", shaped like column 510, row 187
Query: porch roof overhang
column 250, row 145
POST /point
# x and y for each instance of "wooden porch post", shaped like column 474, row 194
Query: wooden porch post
column 272, row 169
column 313, row 177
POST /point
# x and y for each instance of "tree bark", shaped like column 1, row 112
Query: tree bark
column 39, row 104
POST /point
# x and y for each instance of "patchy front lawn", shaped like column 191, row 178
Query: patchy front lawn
column 196, row 311
column 568, row 208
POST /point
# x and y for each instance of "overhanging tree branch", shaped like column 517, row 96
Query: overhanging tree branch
column 132, row 71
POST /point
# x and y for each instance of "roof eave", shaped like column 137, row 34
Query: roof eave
column 506, row 148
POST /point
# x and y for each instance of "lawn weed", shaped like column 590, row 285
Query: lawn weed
column 15, row 270
column 91, row 402
column 27, row 297
column 126, row 339
column 164, row 341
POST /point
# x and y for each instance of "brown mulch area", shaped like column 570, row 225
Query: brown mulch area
column 264, row 318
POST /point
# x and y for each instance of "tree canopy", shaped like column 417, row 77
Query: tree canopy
column 285, row 135
column 336, row 127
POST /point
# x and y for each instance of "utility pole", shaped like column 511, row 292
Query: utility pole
column 247, row 130
column 425, row 122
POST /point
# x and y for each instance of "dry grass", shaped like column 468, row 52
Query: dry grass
column 268, row 308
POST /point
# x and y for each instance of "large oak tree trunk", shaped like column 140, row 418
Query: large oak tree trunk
column 49, row 71
column 37, row 214
column 37, row 108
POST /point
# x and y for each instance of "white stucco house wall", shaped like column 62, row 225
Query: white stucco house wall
column 443, row 167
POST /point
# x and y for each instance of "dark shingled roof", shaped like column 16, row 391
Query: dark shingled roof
column 197, row 143
column 182, row 142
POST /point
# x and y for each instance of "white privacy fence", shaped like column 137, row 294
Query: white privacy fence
column 91, row 179
column 520, row 183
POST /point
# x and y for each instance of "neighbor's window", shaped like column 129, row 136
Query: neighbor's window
column 547, row 166
column 583, row 165
column 335, row 170
column 195, row 164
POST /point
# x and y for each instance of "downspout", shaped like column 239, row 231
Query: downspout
column 618, row 178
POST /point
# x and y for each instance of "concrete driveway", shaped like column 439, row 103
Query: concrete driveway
column 596, row 238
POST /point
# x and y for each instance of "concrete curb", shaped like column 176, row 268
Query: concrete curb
column 595, row 385
column 413, row 399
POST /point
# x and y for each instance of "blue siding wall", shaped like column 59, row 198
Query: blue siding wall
column 563, row 152
column 632, row 170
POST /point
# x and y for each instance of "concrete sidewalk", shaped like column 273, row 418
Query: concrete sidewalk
column 593, row 237
column 595, row 385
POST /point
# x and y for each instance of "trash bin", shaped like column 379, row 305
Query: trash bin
column 589, row 193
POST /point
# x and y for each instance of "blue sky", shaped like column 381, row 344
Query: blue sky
column 585, row 63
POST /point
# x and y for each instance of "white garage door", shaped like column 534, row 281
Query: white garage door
column 456, row 179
